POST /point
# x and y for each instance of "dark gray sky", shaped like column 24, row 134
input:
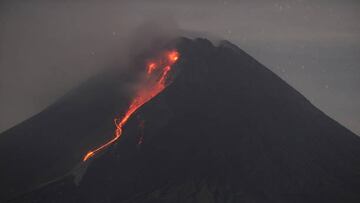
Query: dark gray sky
column 46, row 48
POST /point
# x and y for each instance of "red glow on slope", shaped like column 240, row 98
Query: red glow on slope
column 156, row 84
column 151, row 67
column 173, row 56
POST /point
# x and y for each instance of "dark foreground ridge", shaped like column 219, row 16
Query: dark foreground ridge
column 226, row 130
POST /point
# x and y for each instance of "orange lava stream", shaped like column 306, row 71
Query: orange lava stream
column 143, row 96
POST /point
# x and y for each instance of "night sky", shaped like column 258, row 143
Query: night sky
column 47, row 48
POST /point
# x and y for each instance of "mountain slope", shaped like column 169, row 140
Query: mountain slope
column 226, row 130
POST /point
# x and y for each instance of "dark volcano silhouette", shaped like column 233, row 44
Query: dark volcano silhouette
column 226, row 130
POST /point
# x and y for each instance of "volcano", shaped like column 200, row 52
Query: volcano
column 226, row 129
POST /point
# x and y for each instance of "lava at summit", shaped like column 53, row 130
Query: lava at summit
column 157, row 72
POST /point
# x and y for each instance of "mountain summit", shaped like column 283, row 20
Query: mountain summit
column 226, row 129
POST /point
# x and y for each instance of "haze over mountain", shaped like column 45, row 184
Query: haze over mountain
column 49, row 47
column 226, row 129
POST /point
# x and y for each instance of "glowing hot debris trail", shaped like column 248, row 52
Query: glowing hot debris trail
column 156, row 84
column 151, row 68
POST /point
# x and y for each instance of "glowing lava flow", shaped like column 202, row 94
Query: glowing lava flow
column 155, row 86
